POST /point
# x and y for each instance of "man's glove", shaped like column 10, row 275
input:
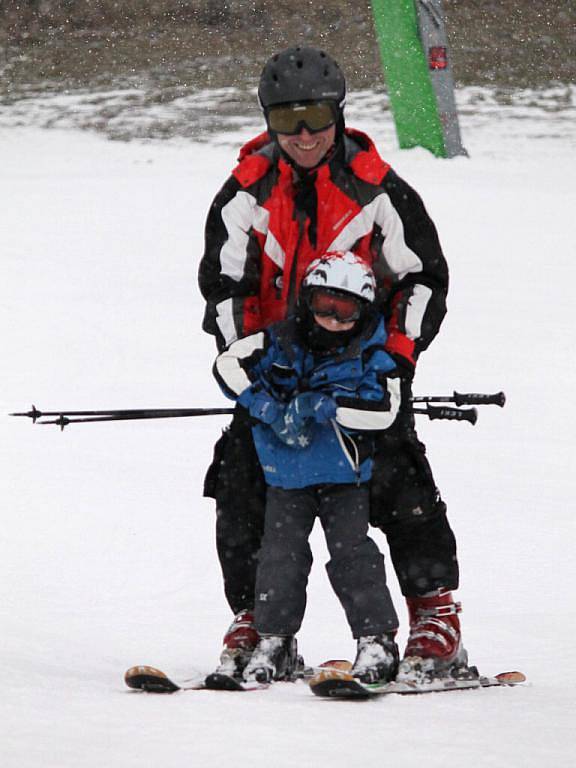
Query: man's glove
column 311, row 406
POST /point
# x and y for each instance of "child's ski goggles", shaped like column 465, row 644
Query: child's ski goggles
column 326, row 303
column 291, row 118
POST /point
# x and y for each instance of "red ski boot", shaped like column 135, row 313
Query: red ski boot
column 434, row 648
column 240, row 640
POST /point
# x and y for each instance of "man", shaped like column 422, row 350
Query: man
column 307, row 186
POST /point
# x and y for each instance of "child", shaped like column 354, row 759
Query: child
column 316, row 385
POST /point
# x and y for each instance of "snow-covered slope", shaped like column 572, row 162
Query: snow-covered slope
column 107, row 550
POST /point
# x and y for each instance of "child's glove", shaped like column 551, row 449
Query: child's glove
column 261, row 405
column 311, row 405
column 290, row 433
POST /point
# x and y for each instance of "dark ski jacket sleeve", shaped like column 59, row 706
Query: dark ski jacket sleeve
column 226, row 294
column 415, row 303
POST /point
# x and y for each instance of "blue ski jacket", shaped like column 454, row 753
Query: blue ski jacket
column 274, row 364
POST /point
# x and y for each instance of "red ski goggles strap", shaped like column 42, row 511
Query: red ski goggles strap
column 290, row 118
column 326, row 303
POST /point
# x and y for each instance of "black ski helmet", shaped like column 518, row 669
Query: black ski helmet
column 301, row 74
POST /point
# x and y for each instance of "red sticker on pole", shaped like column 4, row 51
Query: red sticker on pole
column 438, row 57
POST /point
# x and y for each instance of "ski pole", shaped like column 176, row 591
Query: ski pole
column 64, row 418
column 133, row 413
column 499, row 398
column 158, row 413
column 76, row 417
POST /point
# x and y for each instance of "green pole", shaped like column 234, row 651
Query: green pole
column 410, row 89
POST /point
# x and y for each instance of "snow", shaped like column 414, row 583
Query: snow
column 107, row 546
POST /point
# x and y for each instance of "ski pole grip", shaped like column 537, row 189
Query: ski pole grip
column 499, row 398
column 452, row 414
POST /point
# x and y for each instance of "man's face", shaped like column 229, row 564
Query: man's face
column 307, row 149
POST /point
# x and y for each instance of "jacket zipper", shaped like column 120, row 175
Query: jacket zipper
column 292, row 287
column 353, row 461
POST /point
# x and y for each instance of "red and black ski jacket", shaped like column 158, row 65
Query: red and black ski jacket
column 267, row 224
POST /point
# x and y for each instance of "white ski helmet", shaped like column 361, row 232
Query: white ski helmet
column 341, row 271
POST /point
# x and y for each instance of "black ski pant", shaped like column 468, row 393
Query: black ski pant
column 404, row 504
column 355, row 569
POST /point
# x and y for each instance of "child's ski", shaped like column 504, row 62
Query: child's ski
column 152, row 680
column 339, row 683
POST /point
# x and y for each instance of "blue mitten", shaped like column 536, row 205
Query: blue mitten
column 296, row 435
column 311, row 405
column 261, row 405
column 268, row 410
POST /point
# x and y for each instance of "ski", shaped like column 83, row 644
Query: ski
column 152, row 680
column 338, row 683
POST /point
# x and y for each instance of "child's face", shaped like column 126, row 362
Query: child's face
column 332, row 323
column 335, row 311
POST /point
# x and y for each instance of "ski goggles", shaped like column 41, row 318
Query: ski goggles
column 291, row 118
column 326, row 303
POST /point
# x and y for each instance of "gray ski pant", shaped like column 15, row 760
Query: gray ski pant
column 356, row 567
